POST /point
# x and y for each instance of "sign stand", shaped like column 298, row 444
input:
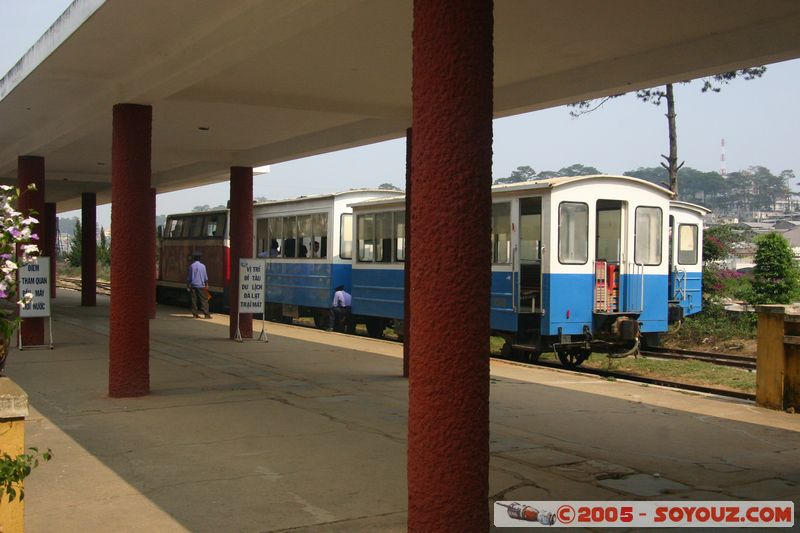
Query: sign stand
column 251, row 294
column 34, row 278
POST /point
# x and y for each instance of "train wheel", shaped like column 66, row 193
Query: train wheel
column 506, row 350
column 573, row 358
column 321, row 320
column 375, row 327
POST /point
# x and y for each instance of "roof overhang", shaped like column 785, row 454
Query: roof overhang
column 253, row 82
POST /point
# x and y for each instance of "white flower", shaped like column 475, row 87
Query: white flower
column 26, row 299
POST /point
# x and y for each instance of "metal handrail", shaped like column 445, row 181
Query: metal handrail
column 514, row 292
column 635, row 269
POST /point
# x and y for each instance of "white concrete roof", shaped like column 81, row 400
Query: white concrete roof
column 274, row 80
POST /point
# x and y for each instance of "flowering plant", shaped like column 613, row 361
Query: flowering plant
column 16, row 249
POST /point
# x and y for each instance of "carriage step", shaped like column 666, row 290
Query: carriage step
column 526, row 347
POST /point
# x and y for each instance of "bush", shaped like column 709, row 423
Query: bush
column 776, row 279
column 15, row 469
column 715, row 324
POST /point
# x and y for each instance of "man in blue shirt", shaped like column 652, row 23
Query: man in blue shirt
column 197, row 282
column 340, row 310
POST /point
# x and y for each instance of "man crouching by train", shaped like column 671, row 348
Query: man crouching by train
column 197, row 284
column 341, row 310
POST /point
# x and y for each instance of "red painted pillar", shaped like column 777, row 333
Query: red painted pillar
column 129, row 335
column 448, row 428
column 49, row 243
column 89, row 249
column 151, row 260
column 241, row 242
column 407, row 271
column 30, row 171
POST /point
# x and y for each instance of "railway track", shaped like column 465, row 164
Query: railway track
column 739, row 361
column 74, row 284
column 608, row 374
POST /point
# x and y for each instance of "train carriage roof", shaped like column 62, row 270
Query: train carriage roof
column 542, row 185
column 193, row 213
column 333, row 195
column 697, row 209
column 552, row 183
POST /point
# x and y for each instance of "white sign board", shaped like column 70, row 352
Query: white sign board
column 35, row 279
column 252, row 278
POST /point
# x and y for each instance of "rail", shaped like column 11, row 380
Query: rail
column 75, row 284
column 735, row 360
column 640, row 379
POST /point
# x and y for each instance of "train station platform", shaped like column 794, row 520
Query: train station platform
column 308, row 433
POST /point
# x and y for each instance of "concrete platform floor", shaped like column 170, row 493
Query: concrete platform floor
column 308, row 433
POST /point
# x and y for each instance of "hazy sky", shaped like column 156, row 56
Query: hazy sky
column 758, row 119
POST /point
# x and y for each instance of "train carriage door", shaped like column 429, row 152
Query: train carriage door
column 609, row 246
column 530, row 255
column 685, row 285
column 673, row 282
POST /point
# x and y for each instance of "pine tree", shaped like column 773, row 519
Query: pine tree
column 74, row 254
column 103, row 249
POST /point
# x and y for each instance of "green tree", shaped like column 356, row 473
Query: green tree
column 576, row 170
column 523, row 173
column 657, row 175
column 776, row 279
column 718, row 243
column 206, row 207
column 74, row 254
column 526, row 173
column 389, row 187
column 655, row 96
column 754, row 189
column 103, row 249
column 696, row 186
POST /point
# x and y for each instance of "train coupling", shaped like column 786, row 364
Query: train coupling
column 674, row 313
column 626, row 328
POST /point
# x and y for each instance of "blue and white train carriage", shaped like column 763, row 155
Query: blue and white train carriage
column 307, row 243
column 578, row 263
column 686, row 260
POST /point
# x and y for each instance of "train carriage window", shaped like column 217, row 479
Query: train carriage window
column 647, row 247
column 289, row 236
column 173, row 229
column 383, row 237
column 501, row 233
column 573, row 233
column 262, row 240
column 530, row 229
column 274, row 237
column 319, row 230
column 346, row 236
column 304, row 236
column 687, row 244
column 400, row 235
column 185, row 226
column 608, row 231
column 366, row 237
column 196, row 225
column 214, row 225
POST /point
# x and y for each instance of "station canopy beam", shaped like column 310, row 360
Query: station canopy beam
column 253, row 82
